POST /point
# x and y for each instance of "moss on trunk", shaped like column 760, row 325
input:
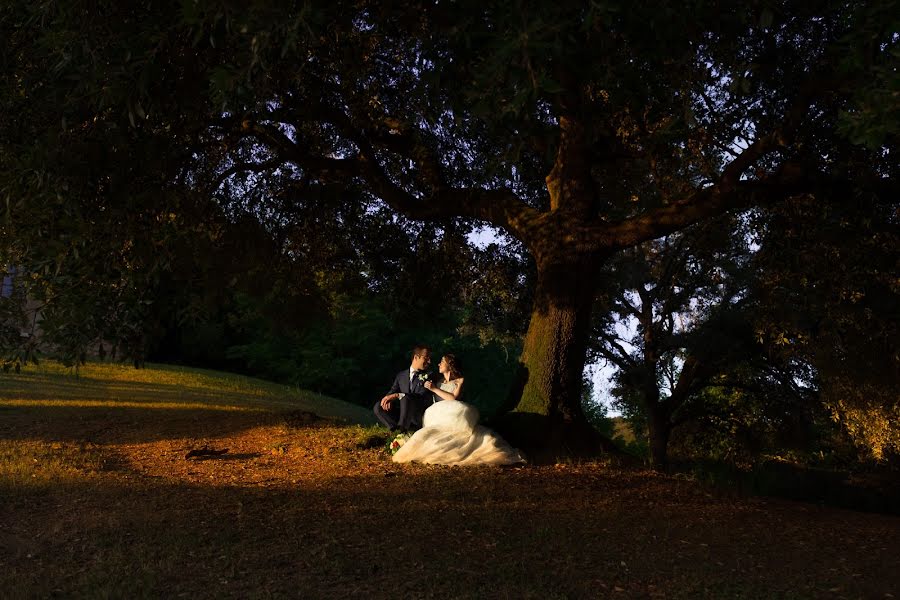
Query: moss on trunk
column 548, row 420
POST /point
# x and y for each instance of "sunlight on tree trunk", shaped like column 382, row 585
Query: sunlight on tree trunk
column 554, row 348
column 549, row 412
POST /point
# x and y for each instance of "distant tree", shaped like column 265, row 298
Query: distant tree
column 675, row 322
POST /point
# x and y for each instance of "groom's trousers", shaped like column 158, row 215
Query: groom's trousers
column 405, row 413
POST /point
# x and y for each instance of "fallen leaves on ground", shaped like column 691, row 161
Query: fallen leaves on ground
column 104, row 503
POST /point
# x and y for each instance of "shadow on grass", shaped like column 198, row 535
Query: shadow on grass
column 782, row 479
column 56, row 387
column 117, row 424
column 56, row 407
column 436, row 533
column 227, row 457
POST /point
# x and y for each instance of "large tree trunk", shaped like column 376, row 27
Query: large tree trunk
column 548, row 420
column 660, row 430
column 555, row 344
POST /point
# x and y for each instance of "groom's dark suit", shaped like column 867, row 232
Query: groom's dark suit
column 407, row 412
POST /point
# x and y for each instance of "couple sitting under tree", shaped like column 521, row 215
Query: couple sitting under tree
column 446, row 429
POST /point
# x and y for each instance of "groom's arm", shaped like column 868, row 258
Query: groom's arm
column 393, row 394
column 395, row 387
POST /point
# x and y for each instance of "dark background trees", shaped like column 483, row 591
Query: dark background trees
column 343, row 150
column 828, row 298
column 673, row 322
column 688, row 335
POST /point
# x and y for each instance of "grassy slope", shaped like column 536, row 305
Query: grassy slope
column 97, row 499
column 164, row 387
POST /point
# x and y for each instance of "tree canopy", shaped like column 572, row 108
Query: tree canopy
column 580, row 130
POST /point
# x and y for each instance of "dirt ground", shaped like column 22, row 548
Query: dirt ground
column 101, row 501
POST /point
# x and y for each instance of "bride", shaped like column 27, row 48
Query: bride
column 450, row 434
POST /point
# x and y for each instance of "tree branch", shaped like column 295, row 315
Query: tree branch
column 499, row 207
column 623, row 359
column 729, row 192
column 631, row 308
column 691, row 372
column 702, row 204
column 326, row 169
column 244, row 167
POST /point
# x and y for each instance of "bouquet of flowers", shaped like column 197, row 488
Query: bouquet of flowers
column 397, row 442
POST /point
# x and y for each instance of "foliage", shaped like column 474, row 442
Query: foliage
column 874, row 118
column 338, row 315
column 778, row 338
column 829, row 297
column 579, row 130
column 597, row 413
column 14, row 326
column 870, row 414
column 740, row 425
column 353, row 354
column 673, row 321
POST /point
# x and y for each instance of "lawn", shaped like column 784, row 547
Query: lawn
column 98, row 499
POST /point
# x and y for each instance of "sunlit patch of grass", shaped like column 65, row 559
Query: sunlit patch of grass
column 127, row 404
column 36, row 463
column 109, row 385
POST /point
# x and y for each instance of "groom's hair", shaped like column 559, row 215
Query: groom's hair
column 420, row 349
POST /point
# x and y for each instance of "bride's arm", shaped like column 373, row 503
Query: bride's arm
column 444, row 395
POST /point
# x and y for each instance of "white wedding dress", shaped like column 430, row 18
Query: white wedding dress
column 451, row 435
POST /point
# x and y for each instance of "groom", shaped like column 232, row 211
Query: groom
column 405, row 403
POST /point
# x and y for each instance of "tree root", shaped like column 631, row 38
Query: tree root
column 546, row 441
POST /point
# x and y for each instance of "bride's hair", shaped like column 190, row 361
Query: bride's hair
column 454, row 366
